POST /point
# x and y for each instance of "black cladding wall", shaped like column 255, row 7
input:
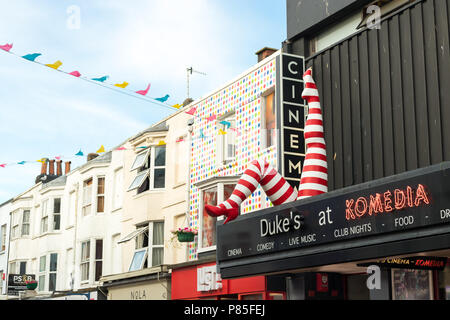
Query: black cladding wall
column 386, row 96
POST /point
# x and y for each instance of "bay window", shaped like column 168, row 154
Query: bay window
column 226, row 143
column 87, row 197
column 150, row 166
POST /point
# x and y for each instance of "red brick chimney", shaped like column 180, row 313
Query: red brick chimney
column 67, row 163
column 51, row 170
column 265, row 52
column 58, row 167
column 44, row 166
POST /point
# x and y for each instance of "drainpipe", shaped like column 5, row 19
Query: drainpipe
column 188, row 182
column 7, row 256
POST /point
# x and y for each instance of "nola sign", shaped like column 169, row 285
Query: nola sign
column 291, row 114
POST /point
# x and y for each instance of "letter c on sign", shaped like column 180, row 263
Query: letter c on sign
column 290, row 69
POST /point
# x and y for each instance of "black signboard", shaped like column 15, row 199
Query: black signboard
column 419, row 262
column 17, row 282
column 393, row 205
column 291, row 112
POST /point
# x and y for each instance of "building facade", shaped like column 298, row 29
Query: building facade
column 5, row 209
column 381, row 73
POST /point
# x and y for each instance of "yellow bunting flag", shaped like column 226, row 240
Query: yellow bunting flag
column 161, row 143
column 221, row 132
column 41, row 160
column 102, row 149
column 122, row 85
column 55, row 65
column 178, row 106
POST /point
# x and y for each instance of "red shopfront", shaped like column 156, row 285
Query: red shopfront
column 203, row 282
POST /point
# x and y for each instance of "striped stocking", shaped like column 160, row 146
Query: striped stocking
column 314, row 175
column 258, row 172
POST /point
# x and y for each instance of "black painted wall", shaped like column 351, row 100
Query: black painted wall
column 302, row 15
column 386, row 95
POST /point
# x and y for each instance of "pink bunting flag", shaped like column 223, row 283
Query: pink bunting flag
column 58, row 158
column 6, row 47
column 121, row 148
column 192, row 111
column 144, row 92
column 3, row 165
column 212, row 118
column 75, row 74
column 180, row 140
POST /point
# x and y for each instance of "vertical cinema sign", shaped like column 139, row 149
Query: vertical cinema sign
column 291, row 111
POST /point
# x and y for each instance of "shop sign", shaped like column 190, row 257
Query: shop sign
column 17, row 282
column 291, row 115
column 208, row 279
column 414, row 201
column 419, row 262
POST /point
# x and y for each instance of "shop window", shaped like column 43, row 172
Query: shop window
column 47, row 271
column 151, row 170
column 3, row 237
column 212, row 196
column 412, row 284
column 226, row 143
column 268, row 119
column 87, row 197
column 85, row 260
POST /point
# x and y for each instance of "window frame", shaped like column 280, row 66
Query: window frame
column 100, row 195
column 145, row 171
column 117, row 199
column 25, row 223
column 264, row 133
column 222, row 140
column 56, row 214
column 219, row 184
column 3, row 231
column 87, row 197
column 98, row 260
column 86, row 261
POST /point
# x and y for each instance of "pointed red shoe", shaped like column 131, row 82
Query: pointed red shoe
column 214, row 211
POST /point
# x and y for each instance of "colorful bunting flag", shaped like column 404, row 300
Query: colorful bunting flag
column 192, row 111
column 3, row 165
column 144, row 92
column 6, row 47
column 75, row 74
column 21, row 162
column 102, row 149
column 144, row 147
column 177, row 106
column 161, row 143
column 79, row 153
column 163, row 99
column 31, row 56
column 122, row 85
column 226, row 123
column 55, row 65
column 221, row 132
column 102, row 79
column 212, row 118
column 121, row 148
column 179, row 140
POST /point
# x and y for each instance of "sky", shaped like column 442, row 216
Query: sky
column 46, row 113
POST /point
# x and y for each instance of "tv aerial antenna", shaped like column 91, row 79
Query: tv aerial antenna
column 190, row 71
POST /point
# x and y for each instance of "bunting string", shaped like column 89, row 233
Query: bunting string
column 101, row 81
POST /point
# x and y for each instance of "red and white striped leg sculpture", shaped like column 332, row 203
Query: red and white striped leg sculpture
column 259, row 172
column 314, row 177
column 314, row 174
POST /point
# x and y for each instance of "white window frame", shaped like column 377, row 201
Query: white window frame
column 46, row 272
column 86, row 261
column 142, row 262
column 140, row 162
column 3, row 235
column 25, row 223
column 14, row 266
column 118, row 189
column 219, row 184
column 97, row 194
column 44, row 216
column 50, row 272
column 86, row 208
column 42, row 273
column 56, row 214
column 96, row 260
column 15, row 224
column 264, row 96
column 223, row 139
